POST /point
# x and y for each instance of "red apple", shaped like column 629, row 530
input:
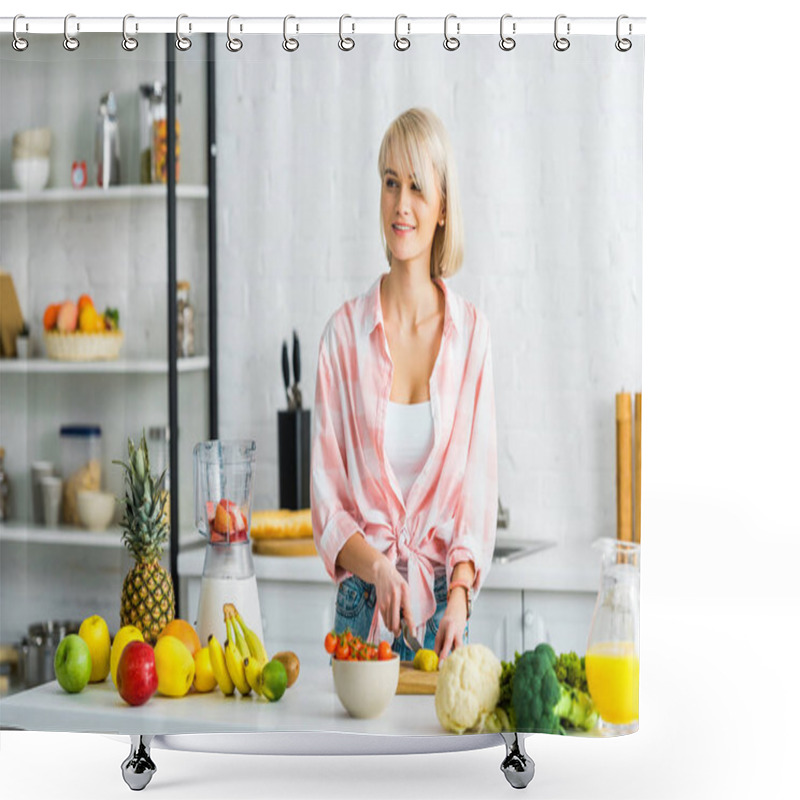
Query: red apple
column 137, row 680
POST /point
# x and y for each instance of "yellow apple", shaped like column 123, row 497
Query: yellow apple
column 94, row 631
column 174, row 666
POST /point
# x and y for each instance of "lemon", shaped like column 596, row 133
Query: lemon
column 426, row 660
column 94, row 631
column 204, row 680
column 128, row 633
column 174, row 666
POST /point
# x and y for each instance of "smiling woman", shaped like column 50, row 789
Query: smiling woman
column 404, row 454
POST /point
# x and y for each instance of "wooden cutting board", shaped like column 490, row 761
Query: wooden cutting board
column 415, row 681
column 284, row 547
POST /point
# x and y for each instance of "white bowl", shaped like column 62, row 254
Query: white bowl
column 31, row 174
column 365, row 688
column 96, row 509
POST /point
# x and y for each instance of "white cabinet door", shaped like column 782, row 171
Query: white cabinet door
column 497, row 622
column 560, row 618
column 296, row 616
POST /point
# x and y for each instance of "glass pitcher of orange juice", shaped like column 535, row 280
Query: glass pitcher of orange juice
column 612, row 654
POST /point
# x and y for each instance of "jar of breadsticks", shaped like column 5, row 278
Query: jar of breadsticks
column 81, row 465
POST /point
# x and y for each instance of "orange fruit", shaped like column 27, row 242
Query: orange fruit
column 51, row 316
column 83, row 301
column 181, row 629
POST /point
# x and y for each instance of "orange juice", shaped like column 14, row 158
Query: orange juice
column 612, row 672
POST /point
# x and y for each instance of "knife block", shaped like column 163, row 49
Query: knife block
column 294, row 458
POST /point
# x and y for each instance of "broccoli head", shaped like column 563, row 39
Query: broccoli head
column 536, row 691
column 541, row 702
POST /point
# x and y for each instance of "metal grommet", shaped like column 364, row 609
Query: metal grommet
column 129, row 43
column 289, row 44
column 183, row 43
column 233, row 44
column 451, row 42
column 70, row 42
column 561, row 43
column 507, row 42
column 623, row 45
column 345, row 42
column 18, row 43
column 401, row 42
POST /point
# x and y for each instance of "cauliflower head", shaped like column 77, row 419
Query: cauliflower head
column 468, row 688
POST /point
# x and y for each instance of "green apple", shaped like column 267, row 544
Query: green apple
column 73, row 663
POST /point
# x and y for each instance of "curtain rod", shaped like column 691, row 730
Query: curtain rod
column 460, row 26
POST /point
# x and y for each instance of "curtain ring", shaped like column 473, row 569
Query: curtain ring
column 70, row 42
column 289, row 45
column 129, row 43
column 451, row 42
column 401, row 42
column 507, row 42
column 345, row 42
column 561, row 43
column 233, row 44
column 18, row 43
column 623, row 45
column 183, row 43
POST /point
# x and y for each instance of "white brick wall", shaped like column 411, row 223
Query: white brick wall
column 548, row 147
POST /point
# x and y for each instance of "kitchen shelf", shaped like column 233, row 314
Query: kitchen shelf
column 132, row 192
column 128, row 366
column 69, row 535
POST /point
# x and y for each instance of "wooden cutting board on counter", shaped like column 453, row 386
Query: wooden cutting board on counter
column 415, row 681
column 284, row 547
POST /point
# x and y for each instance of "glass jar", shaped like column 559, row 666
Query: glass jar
column 153, row 133
column 81, row 465
column 185, row 321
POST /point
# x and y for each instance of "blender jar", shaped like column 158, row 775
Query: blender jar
column 612, row 653
column 223, row 476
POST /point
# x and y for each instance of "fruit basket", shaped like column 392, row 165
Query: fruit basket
column 81, row 346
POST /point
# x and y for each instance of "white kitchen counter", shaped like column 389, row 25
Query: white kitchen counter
column 569, row 568
column 310, row 705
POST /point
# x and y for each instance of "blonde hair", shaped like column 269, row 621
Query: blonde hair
column 411, row 137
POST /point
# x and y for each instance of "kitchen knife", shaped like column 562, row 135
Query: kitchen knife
column 285, row 365
column 298, row 397
column 409, row 637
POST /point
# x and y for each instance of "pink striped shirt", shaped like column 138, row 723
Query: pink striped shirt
column 450, row 512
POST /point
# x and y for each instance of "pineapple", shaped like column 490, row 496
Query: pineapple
column 148, row 598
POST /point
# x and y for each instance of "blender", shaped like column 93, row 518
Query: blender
column 223, row 487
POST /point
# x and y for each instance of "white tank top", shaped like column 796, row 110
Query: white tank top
column 408, row 440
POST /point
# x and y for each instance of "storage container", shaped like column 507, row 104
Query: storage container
column 81, row 465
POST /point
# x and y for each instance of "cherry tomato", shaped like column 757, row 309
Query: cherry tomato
column 343, row 651
column 330, row 642
column 384, row 651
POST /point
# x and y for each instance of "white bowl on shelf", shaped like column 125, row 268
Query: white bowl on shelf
column 31, row 174
column 96, row 509
column 365, row 688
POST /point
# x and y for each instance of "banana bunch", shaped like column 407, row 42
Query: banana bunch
column 238, row 664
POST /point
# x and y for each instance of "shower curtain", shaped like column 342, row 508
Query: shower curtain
column 274, row 226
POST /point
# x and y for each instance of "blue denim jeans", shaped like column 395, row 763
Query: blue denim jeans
column 355, row 605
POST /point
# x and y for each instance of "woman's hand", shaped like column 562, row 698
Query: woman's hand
column 392, row 595
column 451, row 627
